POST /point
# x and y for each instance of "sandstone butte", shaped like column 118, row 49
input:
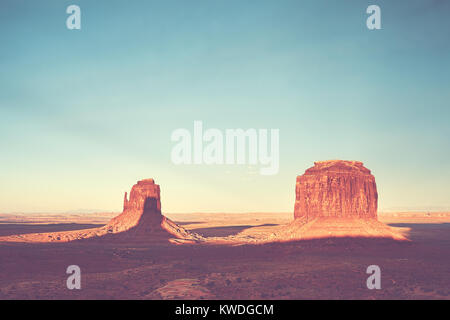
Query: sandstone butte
column 336, row 198
column 336, row 188
column 140, row 220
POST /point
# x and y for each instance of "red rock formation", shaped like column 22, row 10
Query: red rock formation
column 141, row 220
column 140, row 192
column 142, row 209
column 335, row 199
column 336, row 188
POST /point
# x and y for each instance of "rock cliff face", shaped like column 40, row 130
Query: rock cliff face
column 142, row 210
column 142, row 219
column 336, row 188
column 140, row 192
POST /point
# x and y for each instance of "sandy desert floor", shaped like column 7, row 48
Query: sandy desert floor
column 333, row 268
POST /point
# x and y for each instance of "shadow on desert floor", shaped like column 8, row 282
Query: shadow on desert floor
column 9, row 229
column 185, row 223
column 425, row 231
column 128, row 265
column 416, row 232
column 226, row 231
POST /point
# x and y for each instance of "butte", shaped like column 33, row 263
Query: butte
column 333, row 199
column 337, row 198
column 141, row 220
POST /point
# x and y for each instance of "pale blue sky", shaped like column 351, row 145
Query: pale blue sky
column 86, row 113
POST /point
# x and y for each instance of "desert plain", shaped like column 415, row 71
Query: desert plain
column 325, row 268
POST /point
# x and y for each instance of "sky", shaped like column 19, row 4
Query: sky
column 84, row 114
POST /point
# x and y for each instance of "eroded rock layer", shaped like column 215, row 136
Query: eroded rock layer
column 336, row 188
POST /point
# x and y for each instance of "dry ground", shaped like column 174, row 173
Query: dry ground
column 308, row 269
